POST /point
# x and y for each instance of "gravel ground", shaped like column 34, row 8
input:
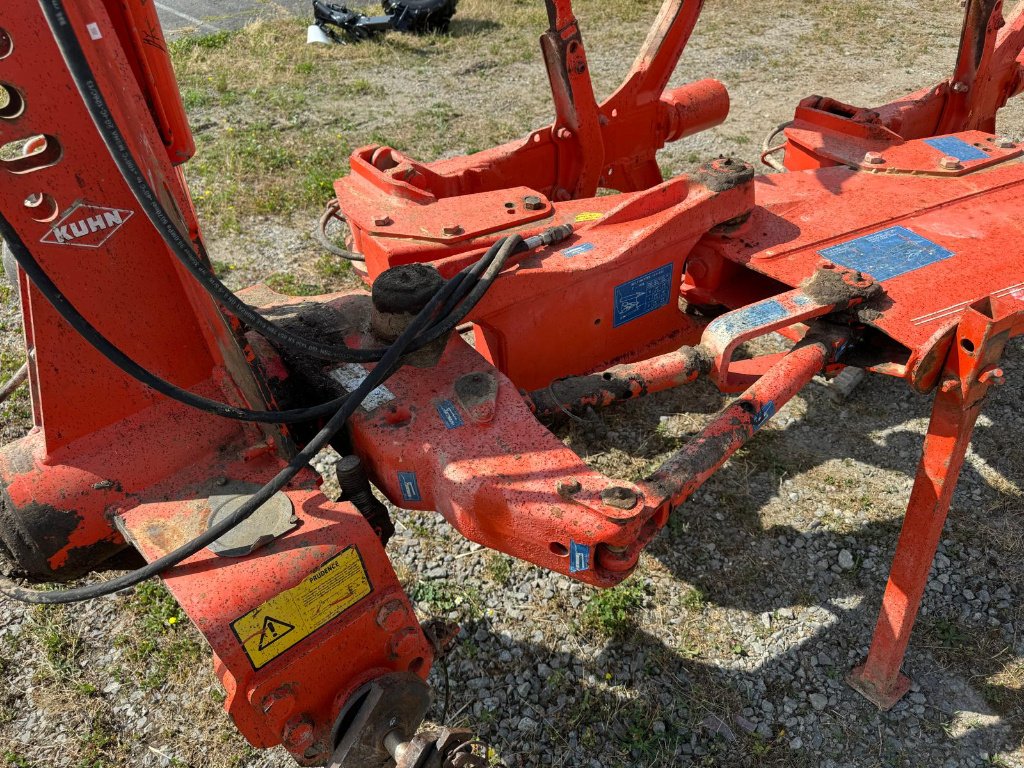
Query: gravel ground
column 729, row 646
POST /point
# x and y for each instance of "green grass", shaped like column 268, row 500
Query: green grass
column 499, row 568
column 444, row 597
column 14, row 760
column 290, row 285
column 162, row 643
column 57, row 637
column 612, row 613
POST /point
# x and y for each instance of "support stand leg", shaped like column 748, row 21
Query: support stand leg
column 968, row 373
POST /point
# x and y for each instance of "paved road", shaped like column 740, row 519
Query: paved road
column 181, row 17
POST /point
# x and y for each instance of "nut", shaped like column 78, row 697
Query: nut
column 532, row 203
column 949, row 163
column 873, row 158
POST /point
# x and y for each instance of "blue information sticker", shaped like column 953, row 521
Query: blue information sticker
column 886, row 254
column 958, row 148
column 766, row 412
column 449, row 414
column 410, row 486
column 576, row 250
column 579, row 557
column 642, row 295
column 749, row 318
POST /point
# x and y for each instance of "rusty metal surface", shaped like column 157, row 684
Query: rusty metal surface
column 385, row 713
column 620, row 383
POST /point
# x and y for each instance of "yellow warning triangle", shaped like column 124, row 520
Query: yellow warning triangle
column 274, row 630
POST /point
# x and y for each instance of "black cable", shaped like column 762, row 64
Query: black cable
column 105, row 347
column 180, row 246
column 376, row 377
column 332, row 211
column 183, row 249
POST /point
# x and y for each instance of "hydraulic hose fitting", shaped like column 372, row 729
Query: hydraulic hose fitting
column 355, row 488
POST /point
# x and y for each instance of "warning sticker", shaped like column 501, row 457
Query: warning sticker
column 588, row 216
column 290, row 617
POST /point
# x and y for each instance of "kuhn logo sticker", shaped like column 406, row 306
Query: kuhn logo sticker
column 87, row 226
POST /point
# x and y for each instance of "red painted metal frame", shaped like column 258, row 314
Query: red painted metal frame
column 969, row 371
column 989, row 71
column 109, row 460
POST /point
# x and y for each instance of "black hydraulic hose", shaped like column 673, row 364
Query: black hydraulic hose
column 180, row 246
column 34, row 271
column 332, row 211
column 381, row 371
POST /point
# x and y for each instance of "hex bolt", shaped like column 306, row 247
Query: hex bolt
column 567, row 488
column 1004, row 143
column 619, row 497
column 452, row 229
column 873, row 158
column 949, row 163
column 382, row 220
column 532, row 203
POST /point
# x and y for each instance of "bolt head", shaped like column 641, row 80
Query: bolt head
column 452, row 229
column 1004, row 143
column 949, row 163
column 532, row 203
column 298, row 733
column 619, row 497
column 382, row 220
column 873, row 158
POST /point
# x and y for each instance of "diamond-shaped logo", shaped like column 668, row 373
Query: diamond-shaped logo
column 87, row 226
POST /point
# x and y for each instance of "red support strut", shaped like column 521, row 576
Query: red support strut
column 970, row 371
